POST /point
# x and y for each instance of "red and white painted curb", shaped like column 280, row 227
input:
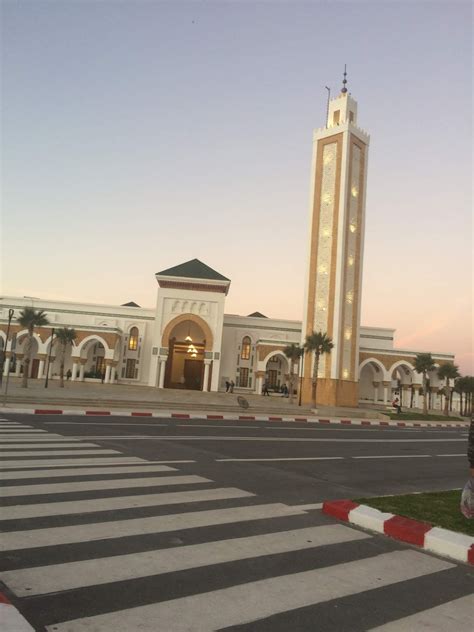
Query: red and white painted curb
column 167, row 414
column 457, row 546
column 10, row 618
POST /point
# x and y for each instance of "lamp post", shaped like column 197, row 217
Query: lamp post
column 301, row 376
column 49, row 358
column 4, row 352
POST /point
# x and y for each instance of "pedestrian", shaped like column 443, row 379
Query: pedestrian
column 265, row 389
column 68, row 374
column 227, row 386
column 397, row 406
column 232, row 384
column 285, row 391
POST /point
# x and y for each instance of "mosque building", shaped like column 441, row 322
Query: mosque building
column 188, row 341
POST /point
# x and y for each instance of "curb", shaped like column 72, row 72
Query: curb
column 10, row 617
column 457, row 546
column 233, row 417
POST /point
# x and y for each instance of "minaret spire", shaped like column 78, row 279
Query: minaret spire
column 344, row 81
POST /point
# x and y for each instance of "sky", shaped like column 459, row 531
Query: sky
column 139, row 134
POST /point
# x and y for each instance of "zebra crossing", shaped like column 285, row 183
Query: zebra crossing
column 116, row 543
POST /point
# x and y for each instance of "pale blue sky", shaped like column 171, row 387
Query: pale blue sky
column 138, row 135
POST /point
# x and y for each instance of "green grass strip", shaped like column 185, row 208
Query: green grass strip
column 441, row 509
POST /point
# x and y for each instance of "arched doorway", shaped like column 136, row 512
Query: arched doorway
column 276, row 371
column 185, row 363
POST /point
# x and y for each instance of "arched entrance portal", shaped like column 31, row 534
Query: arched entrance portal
column 185, row 364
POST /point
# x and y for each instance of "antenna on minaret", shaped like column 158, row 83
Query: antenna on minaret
column 327, row 107
column 344, row 81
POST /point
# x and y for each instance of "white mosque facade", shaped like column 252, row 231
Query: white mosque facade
column 188, row 341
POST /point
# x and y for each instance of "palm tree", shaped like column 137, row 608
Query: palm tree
column 424, row 363
column 459, row 388
column 293, row 352
column 30, row 318
column 318, row 343
column 447, row 372
column 65, row 336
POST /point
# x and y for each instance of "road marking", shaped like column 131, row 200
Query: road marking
column 47, row 453
column 8, row 491
column 75, row 463
column 122, row 502
column 279, row 439
column 22, row 430
column 309, row 507
column 58, row 439
column 289, row 458
column 58, row 577
column 55, row 536
column 85, row 471
column 249, row 602
column 395, row 456
column 452, row 615
column 26, row 445
column 8, row 465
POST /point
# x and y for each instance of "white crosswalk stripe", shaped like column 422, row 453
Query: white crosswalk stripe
column 33, row 581
column 229, row 526
column 256, row 600
column 123, row 483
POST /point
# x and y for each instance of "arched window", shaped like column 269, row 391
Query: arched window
column 133, row 340
column 246, row 344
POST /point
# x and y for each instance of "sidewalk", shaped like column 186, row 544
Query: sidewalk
column 79, row 398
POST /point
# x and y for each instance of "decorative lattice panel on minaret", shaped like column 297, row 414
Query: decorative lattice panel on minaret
column 325, row 241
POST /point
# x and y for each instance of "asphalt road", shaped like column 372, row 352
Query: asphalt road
column 119, row 524
column 291, row 463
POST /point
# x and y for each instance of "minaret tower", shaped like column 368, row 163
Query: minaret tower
column 334, row 274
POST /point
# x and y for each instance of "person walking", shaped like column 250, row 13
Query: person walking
column 231, row 386
column 396, row 404
column 265, row 389
column 227, row 386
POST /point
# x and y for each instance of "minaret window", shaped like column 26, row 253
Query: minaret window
column 133, row 340
column 351, row 116
column 246, row 344
column 336, row 117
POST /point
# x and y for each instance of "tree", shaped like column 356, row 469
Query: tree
column 424, row 363
column 447, row 372
column 318, row 343
column 65, row 337
column 293, row 352
column 30, row 318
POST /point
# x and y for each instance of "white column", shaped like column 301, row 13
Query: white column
column 74, row 371
column 416, row 396
column 112, row 374
column 41, row 370
column 50, row 372
column 385, row 392
column 161, row 382
column 107, row 374
column 206, row 375
column 259, row 384
column 18, row 367
column 82, row 368
column 376, row 392
column 6, row 366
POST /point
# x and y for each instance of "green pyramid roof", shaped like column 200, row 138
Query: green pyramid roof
column 193, row 269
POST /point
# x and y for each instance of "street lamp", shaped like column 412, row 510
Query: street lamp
column 49, row 358
column 301, row 375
